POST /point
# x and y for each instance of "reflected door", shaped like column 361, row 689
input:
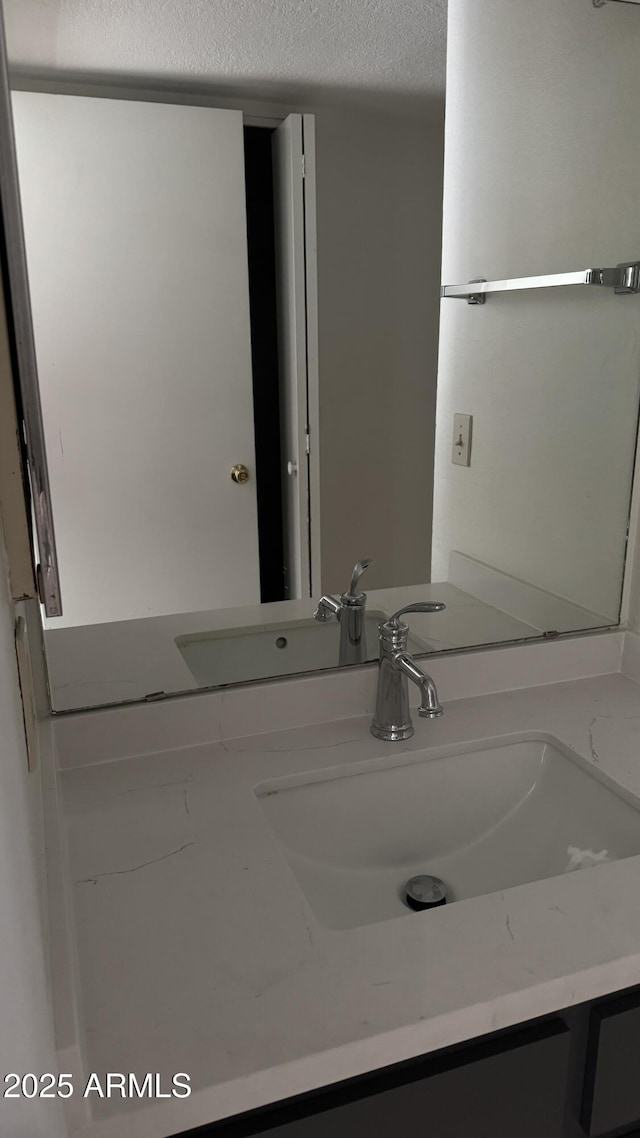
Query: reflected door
column 135, row 228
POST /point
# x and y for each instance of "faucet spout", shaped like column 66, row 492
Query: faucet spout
column 430, row 706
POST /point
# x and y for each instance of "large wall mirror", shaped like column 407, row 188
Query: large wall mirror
column 235, row 243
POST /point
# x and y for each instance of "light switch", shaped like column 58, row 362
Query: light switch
column 461, row 449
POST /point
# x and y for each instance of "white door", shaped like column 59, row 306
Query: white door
column 295, row 226
column 135, row 228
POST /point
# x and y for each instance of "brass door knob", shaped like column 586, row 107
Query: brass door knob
column 239, row 473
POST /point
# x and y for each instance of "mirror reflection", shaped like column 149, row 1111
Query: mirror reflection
column 263, row 435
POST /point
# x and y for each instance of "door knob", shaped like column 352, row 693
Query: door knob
column 239, row 473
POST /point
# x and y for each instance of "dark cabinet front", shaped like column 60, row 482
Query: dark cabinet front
column 611, row 1100
column 511, row 1086
column 519, row 1093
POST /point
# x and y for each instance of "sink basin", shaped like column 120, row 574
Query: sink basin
column 233, row 655
column 483, row 817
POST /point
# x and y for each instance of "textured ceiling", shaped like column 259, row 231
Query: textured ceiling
column 388, row 46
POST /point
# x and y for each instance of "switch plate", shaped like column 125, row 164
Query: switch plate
column 461, row 448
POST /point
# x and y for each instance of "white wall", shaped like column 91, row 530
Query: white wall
column 542, row 174
column 379, row 193
column 26, row 1032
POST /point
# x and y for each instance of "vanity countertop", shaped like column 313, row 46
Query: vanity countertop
column 196, row 950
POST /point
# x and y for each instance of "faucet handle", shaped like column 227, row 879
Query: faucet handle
column 419, row 606
column 358, row 570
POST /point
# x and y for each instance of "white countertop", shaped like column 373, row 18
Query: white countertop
column 197, row 952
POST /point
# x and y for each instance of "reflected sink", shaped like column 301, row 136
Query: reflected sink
column 234, row 655
column 483, row 817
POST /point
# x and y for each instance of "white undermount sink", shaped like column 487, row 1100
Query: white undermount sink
column 482, row 816
column 233, row 655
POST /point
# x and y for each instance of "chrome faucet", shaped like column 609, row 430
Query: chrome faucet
column 349, row 609
column 392, row 719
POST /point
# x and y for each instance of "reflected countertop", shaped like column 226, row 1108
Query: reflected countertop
column 93, row 665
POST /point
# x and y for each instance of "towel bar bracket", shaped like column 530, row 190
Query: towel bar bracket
column 477, row 297
column 630, row 274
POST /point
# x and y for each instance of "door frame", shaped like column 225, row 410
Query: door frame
column 313, row 354
column 293, row 148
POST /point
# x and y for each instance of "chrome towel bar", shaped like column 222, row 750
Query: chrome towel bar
column 624, row 280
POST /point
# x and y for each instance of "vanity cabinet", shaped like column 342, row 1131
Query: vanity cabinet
column 611, row 1097
column 513, row 1084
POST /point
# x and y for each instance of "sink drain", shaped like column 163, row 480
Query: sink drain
column 425, row 892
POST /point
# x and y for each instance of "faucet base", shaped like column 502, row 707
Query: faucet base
column 390, row 733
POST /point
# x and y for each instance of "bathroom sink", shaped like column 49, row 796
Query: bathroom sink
column 483, row 817
column 232, row 655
